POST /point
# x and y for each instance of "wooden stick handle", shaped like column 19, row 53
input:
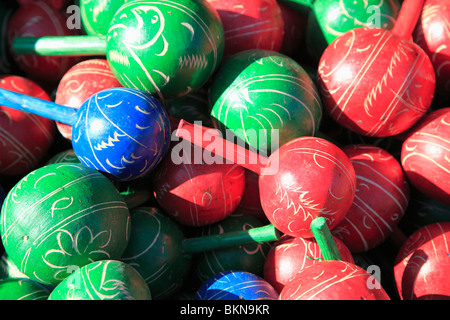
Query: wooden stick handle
column 212, row 140
column 60, row 46
column 407, row 18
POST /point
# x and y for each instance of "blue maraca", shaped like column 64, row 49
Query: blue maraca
column 121, row 132
column 236, row 285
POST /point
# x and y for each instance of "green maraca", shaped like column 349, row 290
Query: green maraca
column 264, row 99
column 22, row 289
column 135, row 193
column 328, row 19
column 162, row 47
column 160, row 252
column 60, row 217
column 103, row 280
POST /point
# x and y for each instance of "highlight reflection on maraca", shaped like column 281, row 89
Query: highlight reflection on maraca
column 122, row 132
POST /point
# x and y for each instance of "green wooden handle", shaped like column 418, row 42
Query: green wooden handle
column 324, row 239
column 230, row 239
column 60, row 46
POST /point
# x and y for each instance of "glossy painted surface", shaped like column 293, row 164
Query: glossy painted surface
column 24, row 137
column 103, row 280
column 381, row 199
column 22, row 289
column 421, row 264
column 173, row 54
column 96, row 16
column 265, row 98
column 250, row 25
column 249, row 257
column 309, row 177
column 155, row 251
column 424, row 155
column 290, row 254
column 333, row 280
column 122, row 132
column 79, row 83
column 431, row 34
column 194, row 192
column 375, row 83
column 39, row 19
column 236, row 285
column 62, row 216
column 328, row 20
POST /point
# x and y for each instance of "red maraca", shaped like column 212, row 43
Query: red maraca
column 79, row 83
column 381, row 198
column 378, row 82
column 431, row 34
column 24, row 137
column 194, row 193
column 331, row 279
column 422, row 262
column 425, row 155
column 40, row 19
column 291, row 254
column 257, row 24
column 305, row 178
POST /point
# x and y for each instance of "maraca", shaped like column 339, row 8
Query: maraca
column 39, row 19
column 381, row 199
column 250, row 25
column 264, row 99
column 432, row 36
column 193, row 192
column 424, row 155
column 62, row 216
column 421, row 264
column 236, row 285
column 290, row 254
column 305, row 178
column 122, row 132
column 163, row 47
column 328, row 19
column 22, row 289
column 79, row 83
column 378, row 82
column 331, row 279
column 103, row 280
column 24, row 137
column 160, row 251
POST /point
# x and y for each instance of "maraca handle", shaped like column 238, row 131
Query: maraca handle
column 324, row 239
column 231, row 239
column 44, row 108
column 60, row 46
column 407, row 18
column 203, row 137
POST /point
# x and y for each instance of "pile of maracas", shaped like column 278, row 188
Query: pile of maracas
column 224, row 150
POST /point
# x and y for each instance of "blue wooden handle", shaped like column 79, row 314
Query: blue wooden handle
column 44, row 108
